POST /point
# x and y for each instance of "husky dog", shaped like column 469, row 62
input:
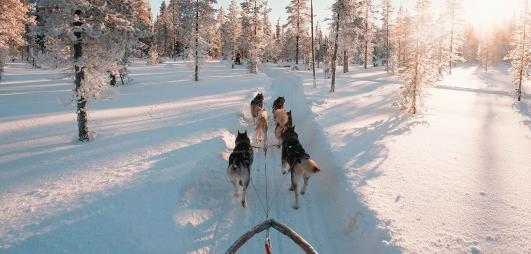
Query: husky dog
column 278, row 103
column 289, row 122
column 299, row 162
column 260, row 127
column 239, row 169
column 281, row 120
column 257, row 104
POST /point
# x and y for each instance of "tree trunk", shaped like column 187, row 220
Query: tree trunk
column 1, row 67
column 82, row 108
column 387, row 41
column 298, row 33
column 345, row 61
column 452, row 40
column 196, row 53
column 522, row 55
column 313, row 49
column 334, row 55
column 366, row 57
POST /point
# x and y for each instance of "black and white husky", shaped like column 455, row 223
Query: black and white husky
column 239, row 169
column 299, row 162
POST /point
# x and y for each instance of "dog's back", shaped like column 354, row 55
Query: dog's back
column 257, row 104
column 280, row 116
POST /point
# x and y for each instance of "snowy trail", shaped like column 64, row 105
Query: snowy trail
column 331, row 218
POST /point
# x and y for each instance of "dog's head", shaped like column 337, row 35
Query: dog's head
column 242, row 137
column 290, row 120
column 259, row 96
column 280, row 101
column 289, row 132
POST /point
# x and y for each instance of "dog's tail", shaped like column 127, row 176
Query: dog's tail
column 314, row 165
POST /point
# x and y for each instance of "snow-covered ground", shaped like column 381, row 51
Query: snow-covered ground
column 454, row 180
column 153, row 179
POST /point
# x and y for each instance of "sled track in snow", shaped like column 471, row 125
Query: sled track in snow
column 330, row 216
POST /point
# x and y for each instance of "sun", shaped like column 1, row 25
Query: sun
column 485, row 14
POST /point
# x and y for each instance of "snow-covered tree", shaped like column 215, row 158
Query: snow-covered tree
column 251, row 43
column 231, row 31
column 350, row 31
column 204, row 21
column 218, row 34
column 401, row 33
column 420, row 66
column 13, row 17
column 368, row 31
column 520, row 55
column 485, row 49
column 278, row 46
column 387, row 12
column 297, row 25
column 92, row 37
column 339, row 11
column 453, row 34
column 163, row 31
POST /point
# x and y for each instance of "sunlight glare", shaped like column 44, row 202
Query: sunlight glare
column 488, row 13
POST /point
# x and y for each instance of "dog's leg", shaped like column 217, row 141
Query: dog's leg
column 244, row 187
column 244, row 199
column 294, row 180
column 236, row 192
column 306, row 178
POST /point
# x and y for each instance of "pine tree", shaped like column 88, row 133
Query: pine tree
column 401, row 36
column 231, row 32
column 453, row 42
column 387, row 12
column 203, row 23
column 98, row 33
column 13, row 18
column 252, row 31
column 368, row 31
column 520, row 55
column 218, row 38
column 279, row 43
column 484, row 53
column 297, row 24
column 338, row 9
column 420, row 67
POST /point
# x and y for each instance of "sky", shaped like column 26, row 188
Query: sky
column 278, row 7
column 477, row 12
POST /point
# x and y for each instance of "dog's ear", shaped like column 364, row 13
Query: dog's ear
column 245, row 132
column 238, row 132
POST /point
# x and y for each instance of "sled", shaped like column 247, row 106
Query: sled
column 285, row 230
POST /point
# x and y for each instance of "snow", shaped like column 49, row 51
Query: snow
column 453, row 180
column 152, row 180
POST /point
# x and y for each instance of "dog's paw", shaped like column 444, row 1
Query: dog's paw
column 236, row 194
column 296, row 207
column 284, row 172
column 290, row 188
column 302, row 192
column 244, row 204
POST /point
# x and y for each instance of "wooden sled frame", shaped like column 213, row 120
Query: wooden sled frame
column 296, row 238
